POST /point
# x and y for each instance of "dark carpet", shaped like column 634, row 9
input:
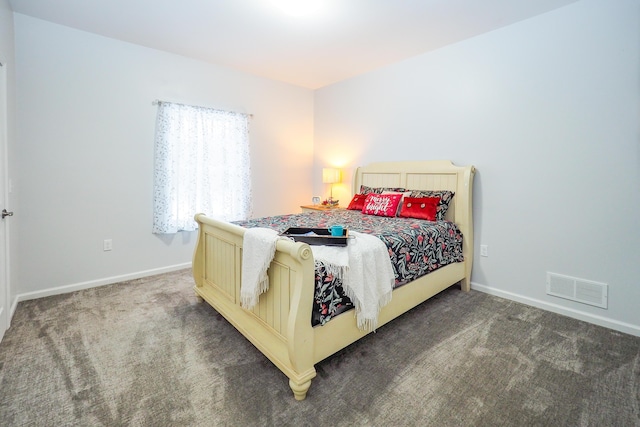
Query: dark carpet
column 147, row 353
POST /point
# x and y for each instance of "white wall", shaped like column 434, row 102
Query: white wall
column 548, row 112
column 85, row 125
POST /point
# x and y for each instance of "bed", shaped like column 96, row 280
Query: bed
column 280, row 325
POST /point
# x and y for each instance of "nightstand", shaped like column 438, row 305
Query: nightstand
column 311, row 208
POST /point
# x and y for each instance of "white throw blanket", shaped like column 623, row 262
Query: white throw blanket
column 366, row 272
column 258, row 249
column 363, row 266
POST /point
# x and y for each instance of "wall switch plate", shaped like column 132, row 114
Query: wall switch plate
column 484, row 250
column 107, row 245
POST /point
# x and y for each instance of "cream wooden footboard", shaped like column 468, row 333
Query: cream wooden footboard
column 280, row 324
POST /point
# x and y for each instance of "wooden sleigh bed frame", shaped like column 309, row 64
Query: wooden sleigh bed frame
column 280, row 324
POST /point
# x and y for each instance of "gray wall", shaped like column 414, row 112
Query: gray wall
column 548, row 112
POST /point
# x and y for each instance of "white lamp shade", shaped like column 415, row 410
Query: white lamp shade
column 330, row 175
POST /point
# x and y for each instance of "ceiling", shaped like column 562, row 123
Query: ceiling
column 335, row 40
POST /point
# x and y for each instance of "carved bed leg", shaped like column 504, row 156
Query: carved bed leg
column 465, row 284
column 300, row 390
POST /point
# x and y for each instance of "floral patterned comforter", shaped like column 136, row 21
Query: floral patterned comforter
column 416, row 247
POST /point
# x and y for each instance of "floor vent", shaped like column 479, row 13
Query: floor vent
column 579, row 290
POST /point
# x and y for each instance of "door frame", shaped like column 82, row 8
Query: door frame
column 5, row 301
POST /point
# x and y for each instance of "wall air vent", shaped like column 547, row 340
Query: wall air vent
column 579, row 290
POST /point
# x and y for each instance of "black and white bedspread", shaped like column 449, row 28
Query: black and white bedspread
column 416, row 247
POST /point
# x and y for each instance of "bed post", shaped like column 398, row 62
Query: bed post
column 300, row 336
column 464, row 219
column 197, row 263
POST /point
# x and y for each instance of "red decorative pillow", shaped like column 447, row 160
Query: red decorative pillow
column 381, row 204
column 445, row 199
column 403, row 194
column 420, row 207
column 357, row 203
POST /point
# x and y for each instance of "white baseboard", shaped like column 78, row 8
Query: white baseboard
column 627, row 328
column 93, row 284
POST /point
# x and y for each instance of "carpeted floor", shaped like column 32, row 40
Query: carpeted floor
column 147, row 353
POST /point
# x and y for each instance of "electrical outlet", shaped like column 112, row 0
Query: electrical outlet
column 107, row 245
column 484, row 250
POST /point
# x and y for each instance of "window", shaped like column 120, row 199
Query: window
column 201, row 165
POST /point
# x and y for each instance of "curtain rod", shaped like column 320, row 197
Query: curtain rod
column 158, row 101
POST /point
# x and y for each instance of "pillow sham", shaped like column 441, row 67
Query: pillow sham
column 378, row 190
column 420, row 207
column 445, row 199
column 381, row 204
column 357, row 203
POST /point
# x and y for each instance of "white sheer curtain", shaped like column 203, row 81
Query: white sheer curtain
column 201, row 165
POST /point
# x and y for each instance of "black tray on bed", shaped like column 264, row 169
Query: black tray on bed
column 322, row 236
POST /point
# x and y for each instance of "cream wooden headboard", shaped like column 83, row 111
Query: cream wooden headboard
column 428, row 175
